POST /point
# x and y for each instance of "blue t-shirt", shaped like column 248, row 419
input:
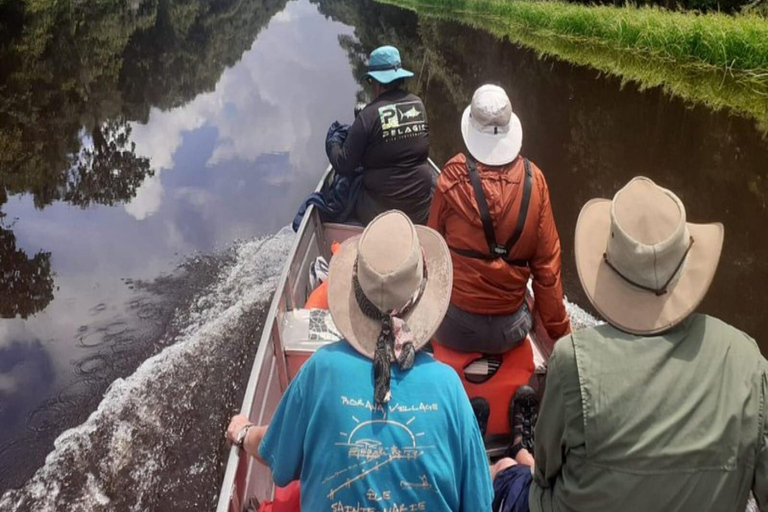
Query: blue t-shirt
column 420, row 452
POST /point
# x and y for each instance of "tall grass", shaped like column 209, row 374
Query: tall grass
column 736, row 42
column 717, row 59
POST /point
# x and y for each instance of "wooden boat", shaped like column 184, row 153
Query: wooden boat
column 281, row 353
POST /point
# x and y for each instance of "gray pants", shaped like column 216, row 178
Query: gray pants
column 489, row 334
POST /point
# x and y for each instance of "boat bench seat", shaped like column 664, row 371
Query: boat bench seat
column 303, row 332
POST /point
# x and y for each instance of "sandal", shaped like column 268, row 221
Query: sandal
column 523, row 414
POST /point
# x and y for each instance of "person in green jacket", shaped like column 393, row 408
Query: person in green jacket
column 662, row 408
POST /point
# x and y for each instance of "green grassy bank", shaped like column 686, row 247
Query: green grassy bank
column 716, row 59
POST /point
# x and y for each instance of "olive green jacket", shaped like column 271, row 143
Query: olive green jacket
column 673, row 422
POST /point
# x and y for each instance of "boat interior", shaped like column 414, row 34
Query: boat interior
column 282, row 350
column 284, row 346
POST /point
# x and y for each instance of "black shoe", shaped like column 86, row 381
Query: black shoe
column 523, row 414
column 482, row 411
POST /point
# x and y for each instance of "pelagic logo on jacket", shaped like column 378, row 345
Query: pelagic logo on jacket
column 402, row 120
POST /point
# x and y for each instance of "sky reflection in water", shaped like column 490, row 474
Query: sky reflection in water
column 231, row 164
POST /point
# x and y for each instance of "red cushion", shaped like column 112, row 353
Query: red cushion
column 287, row 499
column 516, row 370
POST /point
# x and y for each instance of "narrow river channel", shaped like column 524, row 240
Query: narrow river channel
column 153, row 150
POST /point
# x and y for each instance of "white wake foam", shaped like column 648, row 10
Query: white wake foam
column 132, row 413
column 580, row 319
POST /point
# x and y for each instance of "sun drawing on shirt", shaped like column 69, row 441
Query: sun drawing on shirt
column 370, row 455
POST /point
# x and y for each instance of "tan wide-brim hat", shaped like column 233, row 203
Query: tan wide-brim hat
column 643, row 267
column 387, row 244
column 492, row 133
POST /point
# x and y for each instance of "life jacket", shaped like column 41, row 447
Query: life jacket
column 496, row 251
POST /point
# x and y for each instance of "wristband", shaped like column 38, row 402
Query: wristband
column 240, row 441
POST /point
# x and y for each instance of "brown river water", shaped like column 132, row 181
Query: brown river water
column 151, row 151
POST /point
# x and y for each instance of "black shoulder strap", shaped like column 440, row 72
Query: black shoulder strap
column 524, row 203
column 494, row 249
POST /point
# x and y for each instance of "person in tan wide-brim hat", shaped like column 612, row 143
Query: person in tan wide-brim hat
column 663, row 406
column 642, row 265
column 394, row 267
column 388, row 292
column 373, row 400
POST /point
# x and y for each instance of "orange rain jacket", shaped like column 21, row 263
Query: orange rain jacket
column 494, row 287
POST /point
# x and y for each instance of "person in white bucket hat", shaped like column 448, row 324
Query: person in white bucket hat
column 491, row 130
column 662, row 408
column 371, row 423
column 492, row 206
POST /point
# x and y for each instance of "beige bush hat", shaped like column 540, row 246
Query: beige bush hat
column 392, row 255
column 643, row 267
column 492, row 132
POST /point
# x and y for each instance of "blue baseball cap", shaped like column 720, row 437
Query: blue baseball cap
column 385, row 66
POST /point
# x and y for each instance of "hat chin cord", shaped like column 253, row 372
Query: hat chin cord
column 658, row 291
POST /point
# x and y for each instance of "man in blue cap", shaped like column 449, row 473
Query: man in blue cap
column 390, row 141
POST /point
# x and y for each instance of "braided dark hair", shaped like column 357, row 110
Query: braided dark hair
column 385, row 343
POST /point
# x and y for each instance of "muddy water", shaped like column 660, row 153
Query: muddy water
column 590, row 135
column 198, row 124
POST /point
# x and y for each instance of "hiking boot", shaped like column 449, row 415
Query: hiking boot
column 482, row 410
column 523, row 413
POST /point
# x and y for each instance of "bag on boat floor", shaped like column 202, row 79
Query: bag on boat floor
column 318, row 281
column 318, row 272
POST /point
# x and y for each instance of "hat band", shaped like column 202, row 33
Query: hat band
column 657, row 291
column 489, row 128
column 384, row 67
column 395, row 340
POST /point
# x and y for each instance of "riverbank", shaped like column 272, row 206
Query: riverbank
column 715, row 59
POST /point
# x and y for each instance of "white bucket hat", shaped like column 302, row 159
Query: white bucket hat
column 395, row 277
column 643, row 267
column 492, row 132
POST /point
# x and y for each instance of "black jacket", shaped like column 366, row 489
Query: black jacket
column 390, row 140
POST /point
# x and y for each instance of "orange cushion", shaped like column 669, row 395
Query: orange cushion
column 318, row 299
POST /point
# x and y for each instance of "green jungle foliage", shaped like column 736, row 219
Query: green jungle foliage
column 718, row 60
column 737, row 43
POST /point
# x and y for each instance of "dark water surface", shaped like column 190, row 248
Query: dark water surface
column 145, row 133
column 140, row 135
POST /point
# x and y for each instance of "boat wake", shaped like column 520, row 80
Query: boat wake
column 580, row 319
column 156, row 442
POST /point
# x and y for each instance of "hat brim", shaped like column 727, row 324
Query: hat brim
column 490, row 149
column 627, row 307
column 389, row 76
column 423, row 320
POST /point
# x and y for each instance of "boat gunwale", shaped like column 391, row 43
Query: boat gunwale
column 233, row 461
